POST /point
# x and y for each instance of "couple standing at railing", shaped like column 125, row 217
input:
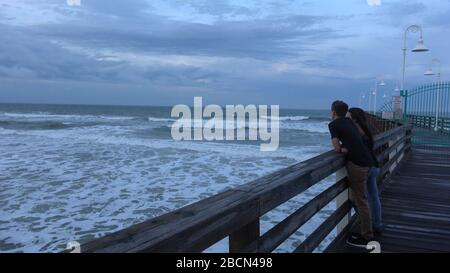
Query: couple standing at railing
column 352, row 137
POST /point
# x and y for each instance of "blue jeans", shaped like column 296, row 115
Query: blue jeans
column 373, row 197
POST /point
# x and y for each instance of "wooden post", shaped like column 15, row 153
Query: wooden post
column 341, row 199
column 400, row 147
column 408, row 141
column 244, row 238
column 391, row 155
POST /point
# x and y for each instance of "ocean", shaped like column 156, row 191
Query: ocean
column 73, row 172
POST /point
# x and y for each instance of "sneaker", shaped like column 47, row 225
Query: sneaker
column 357, row 240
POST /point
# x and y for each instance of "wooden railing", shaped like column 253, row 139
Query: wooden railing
column 236, row 212
column 379, row 125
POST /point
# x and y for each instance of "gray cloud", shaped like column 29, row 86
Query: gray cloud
column 33, row 56
column 442, row 19
column 312, row 52
column 216, row 8
column 403, row 8
column 260, row 39
column 36, row 51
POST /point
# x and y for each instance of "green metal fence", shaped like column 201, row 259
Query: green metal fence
column 386, row 108
column 427, row 108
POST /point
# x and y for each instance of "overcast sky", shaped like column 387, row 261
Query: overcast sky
column 299, row 54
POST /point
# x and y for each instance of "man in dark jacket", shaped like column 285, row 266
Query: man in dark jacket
column 347, row 140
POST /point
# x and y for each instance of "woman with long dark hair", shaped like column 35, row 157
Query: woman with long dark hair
column 359, row 118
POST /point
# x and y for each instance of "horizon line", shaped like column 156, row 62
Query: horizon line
column 136, row 105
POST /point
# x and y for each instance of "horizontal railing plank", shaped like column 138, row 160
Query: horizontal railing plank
column 386, row 168
column 324, row 229
column 280, row 232
column 383, row 138
column 392, row 148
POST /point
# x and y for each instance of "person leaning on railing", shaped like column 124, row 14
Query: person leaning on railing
column 347, row 140
column 359, row 118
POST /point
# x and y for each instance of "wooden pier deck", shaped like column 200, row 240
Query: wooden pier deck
column 416, row 205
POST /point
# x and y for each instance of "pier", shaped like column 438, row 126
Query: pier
column 415, row 194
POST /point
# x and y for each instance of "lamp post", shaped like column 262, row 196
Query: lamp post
column 396, row 91
column 375, row 92
column 419, row 48
column 362, row 96
column 430, row 72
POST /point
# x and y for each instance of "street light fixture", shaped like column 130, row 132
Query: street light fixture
column 377, row 83
column 419, row 48
column 397, row 91
column 362, row 97
column 430, row 72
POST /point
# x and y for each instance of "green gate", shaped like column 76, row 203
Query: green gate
column 427, row 108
